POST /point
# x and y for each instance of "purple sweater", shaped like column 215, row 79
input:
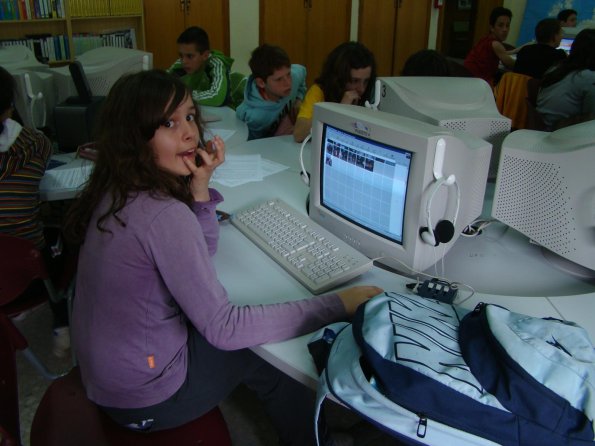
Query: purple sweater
column 139, row 286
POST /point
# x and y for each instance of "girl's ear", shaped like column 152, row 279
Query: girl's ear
column 259, row 82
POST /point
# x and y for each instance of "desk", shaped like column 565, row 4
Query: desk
column 234, row 131
column 500, row 264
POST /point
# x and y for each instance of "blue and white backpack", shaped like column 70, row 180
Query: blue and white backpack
column 432, row 373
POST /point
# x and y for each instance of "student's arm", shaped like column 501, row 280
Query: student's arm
column 216, row 94
column 302, row 128
column 504, row 55
column 303, row 123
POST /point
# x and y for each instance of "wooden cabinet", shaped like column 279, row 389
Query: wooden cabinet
column 166, row 19
column 76, row 17
column 393, row 30
column 306, row 29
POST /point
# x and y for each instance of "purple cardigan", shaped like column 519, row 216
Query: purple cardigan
column 139, row 285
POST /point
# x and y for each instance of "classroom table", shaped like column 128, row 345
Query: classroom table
column 500, row 264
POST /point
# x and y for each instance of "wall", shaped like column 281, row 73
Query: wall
column 244, row 18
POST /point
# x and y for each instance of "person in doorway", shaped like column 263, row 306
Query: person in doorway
column 274, row 93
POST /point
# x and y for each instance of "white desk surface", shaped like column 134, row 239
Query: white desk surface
column 500, row 264
column 230, row 127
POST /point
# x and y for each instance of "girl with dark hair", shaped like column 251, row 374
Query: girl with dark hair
column 157, row 339
column 348, row 76
column 567, row 91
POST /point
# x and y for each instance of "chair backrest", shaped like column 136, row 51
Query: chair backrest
column 20, row 264
column 534, row 119
column 11, row 340
column 66, row 417
column 532, row 90
column 237, row 83
column 510, row 94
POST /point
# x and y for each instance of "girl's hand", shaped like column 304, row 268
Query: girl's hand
column 353, row 297
column 350, row 97
column 203, row 165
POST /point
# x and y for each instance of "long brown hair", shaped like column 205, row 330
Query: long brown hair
column 136, row 106
column 336, row 70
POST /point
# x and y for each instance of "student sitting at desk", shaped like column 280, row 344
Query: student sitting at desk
column 348, row 76
column 484, row 58
column 24, row 155
column 273, row 94
column 568, row 18
column 205, row 71
column 567, row 92
column 534, row 60
column 157, row 339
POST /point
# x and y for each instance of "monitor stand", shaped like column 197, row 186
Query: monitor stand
column 567, row 266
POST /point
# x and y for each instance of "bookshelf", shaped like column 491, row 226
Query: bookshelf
column 69, row 27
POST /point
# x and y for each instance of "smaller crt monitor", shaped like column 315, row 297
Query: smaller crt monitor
column 456, row 103
column 19, row 57
column 102, row 67
column 546, row 190
column 34, row 99
column 400, row 191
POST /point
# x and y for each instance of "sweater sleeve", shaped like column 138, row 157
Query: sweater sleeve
column 217, row 92
column 181, row 255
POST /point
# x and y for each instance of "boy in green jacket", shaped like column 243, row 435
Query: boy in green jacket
column 204, row 70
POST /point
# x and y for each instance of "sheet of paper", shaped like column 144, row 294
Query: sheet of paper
column 225, row 134
column 270, row 167
column 239, row 169
column 66, row 178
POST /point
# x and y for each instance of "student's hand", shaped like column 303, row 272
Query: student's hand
column 357, row 295
column 350, row 97
column 211, row 157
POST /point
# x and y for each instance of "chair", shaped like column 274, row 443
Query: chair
column 237, row 84
column 11, row 340
column 534, row 119
column 511, row 94
column 66, row 417
column 21, row 265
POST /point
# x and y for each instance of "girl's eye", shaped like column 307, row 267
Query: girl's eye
column 190, row 117
column 168, row 124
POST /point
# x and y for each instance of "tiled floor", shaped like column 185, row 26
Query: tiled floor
column 247, row 422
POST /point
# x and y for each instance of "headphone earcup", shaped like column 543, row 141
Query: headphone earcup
column 444, row 231
column 427, row 237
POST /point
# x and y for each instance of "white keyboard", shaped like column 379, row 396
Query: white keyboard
column 315, row 257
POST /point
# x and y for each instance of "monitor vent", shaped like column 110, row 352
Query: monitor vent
column 499, row 126
column 100, row 86
column 456, row 124
column 532, row 197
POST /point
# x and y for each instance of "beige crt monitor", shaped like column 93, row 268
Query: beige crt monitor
column 457, row 103
column 378, row 179
column 546, row 190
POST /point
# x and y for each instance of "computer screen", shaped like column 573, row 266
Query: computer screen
column 566, row 44
column 456, row 103
column 546, row 191
column 378, row 179
column 103, row 66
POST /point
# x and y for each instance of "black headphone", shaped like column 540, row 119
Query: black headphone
column 445, row 229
